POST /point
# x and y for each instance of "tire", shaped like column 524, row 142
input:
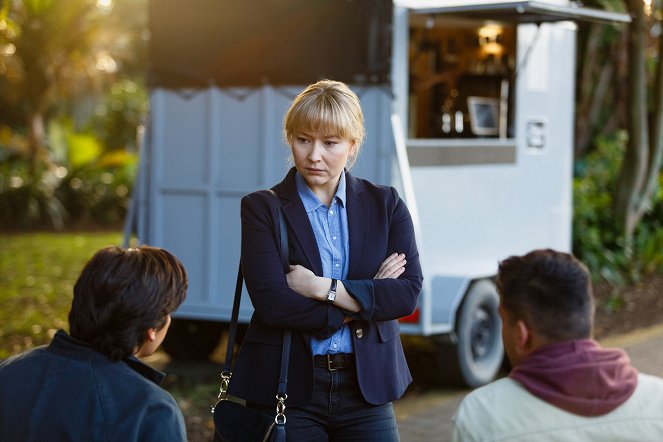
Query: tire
column 192, row 339
column 478, row 354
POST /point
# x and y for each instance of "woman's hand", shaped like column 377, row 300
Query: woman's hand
column 304, row 282
column 392, row 267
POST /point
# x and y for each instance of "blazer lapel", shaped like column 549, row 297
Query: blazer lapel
column 359, row 214
column 297, row 219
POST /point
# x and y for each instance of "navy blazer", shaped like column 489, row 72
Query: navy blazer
column 379, row 224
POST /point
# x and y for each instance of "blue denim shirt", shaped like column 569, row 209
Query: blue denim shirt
column 330, row 226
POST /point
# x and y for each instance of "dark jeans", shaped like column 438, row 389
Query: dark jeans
column 338, row 412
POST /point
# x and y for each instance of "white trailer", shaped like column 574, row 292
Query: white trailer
column 469, row 110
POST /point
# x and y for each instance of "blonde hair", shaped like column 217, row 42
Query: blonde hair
column 329, row 107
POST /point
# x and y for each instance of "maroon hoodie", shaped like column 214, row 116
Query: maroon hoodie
column 578, row 376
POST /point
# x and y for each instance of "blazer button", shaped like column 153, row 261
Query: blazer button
column 359, row 333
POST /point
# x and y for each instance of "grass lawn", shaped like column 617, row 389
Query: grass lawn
column 37, row 276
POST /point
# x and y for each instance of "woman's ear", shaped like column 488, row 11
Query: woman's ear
column 353, row 148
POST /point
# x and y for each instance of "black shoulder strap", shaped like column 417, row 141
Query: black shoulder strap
column 232, row 336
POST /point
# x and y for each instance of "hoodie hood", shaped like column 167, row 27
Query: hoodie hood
column 579, row 376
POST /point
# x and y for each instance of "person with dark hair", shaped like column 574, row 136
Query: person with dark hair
column 563, row 385
column 354, row 270
column 89, row 385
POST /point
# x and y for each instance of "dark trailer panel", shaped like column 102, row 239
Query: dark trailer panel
column 201, row 43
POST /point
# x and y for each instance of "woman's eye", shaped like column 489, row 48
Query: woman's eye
column 331, row 143
column 302, row 140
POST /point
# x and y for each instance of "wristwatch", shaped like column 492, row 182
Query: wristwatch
column 331, row 294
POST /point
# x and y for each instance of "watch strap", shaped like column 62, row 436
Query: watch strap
column 331, row 294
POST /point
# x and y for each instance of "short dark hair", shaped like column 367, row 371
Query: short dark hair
column 551, row 290
column 121, row 293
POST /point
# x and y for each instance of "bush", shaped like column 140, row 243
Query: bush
column 27, row 202
column 99, row 192
column 81, row 184
column 597, row 239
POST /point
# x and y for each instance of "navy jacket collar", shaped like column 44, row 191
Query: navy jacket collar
column 65, row 345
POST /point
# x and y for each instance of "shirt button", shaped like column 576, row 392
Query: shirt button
column 334, row 345
column 334, row 238
column 331, row 212
column 359, row 333
column 337, row 265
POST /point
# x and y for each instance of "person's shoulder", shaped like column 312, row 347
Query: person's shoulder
column 124, row 390
column 651, row 385
column 259, row 195
column 367, row 185
column 258, row 203
column 277, row 191
column 477, row 414
column 17, row 362
column 120, row 376
column 380, row 192
column 492, row 394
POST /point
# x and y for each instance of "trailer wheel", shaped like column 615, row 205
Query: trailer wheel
column 479, row 352
column 192, row 339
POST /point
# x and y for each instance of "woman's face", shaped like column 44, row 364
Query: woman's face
column 320, row 159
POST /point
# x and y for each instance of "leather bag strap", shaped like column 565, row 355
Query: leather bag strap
column 287, row 334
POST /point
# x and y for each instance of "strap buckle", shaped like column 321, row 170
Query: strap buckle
column 225, row 383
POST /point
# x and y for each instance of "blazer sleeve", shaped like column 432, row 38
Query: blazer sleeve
column 274, row 302
column 387, row 299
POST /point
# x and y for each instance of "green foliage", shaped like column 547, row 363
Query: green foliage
column 595, row 233
column 597, row 239
column 28, row 202
column 68, row 152
column 82, row 183
column 122, row 111
column 99, row 194
column 38, row 275
column 98, row 183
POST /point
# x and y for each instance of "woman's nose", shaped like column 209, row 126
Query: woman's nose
column 315, row 154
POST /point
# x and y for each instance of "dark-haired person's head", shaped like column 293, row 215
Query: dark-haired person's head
column 545, row 297
column 123, row 300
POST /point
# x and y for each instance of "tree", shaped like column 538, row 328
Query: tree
column 639, row 175
column 52, row 51
column 601, row 81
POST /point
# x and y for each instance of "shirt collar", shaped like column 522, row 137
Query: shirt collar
column 310, row 200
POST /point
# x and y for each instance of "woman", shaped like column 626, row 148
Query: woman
column 354, row 271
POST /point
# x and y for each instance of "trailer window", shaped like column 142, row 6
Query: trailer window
column 461, row 78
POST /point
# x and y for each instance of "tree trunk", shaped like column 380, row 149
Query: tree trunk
column 587, row 93
column 630, row 185
column 35, row 142
column 656, row 137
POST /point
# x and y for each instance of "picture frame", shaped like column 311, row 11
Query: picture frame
column 484, row 115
